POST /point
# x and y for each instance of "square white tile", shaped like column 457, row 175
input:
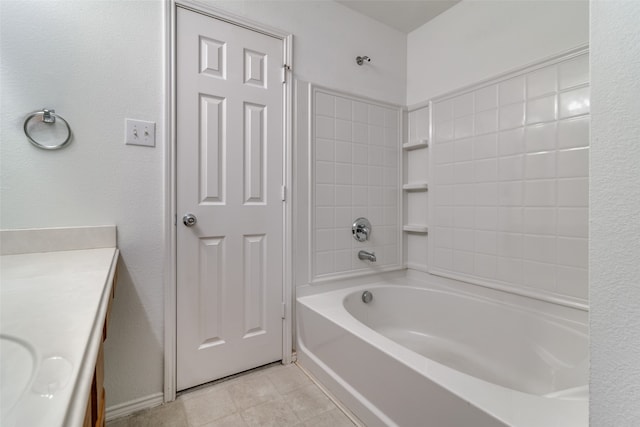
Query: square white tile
column 485, row 121
column 510, row 219
column 486, row 98
column 463, row 105
column 511, row 116
column 325, row 104
column 485, row 146
column 540, row 137
column 463, row 127
column 542, row 82
column 541, row 110
column 540, row 192
column 325, row 127
column 541, row 221
column 574, row 103
column 511, row 91
column 343, row 130
column 573, row 72
column 343, row 108
column 573, row 192
column 573, row 133
column 540, row 165
column 511, row 142
column 573, row 163
column 539, row 275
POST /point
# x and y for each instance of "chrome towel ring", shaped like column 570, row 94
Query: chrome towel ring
column 49, row 117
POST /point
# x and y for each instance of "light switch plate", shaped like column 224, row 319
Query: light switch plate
column 139, row 132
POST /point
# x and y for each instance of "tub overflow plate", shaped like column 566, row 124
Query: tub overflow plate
column 367, row 297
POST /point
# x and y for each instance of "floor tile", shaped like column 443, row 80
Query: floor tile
column 206, row 405
column 168, row 415
column 286, row 378
column 120, row 422
column 271, row 414
column 251, row 390
column 332, row 418
column 234, row 420
column 309, row 401
column 277, row 395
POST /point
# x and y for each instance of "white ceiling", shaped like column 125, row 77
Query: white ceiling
column 403, row 15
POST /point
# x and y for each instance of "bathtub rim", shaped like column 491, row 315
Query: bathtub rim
column 421, row 279
column 579, row 327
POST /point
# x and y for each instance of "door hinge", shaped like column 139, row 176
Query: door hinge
column 285, row 68
column 283, row 193
column 284, row 310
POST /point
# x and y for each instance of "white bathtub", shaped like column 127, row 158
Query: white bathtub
column 416, row 357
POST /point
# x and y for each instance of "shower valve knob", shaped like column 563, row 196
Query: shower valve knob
column 361, row 229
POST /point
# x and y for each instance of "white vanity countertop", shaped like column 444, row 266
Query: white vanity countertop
column 55, row 303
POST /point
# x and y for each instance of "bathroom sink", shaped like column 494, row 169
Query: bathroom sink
column 17, row 366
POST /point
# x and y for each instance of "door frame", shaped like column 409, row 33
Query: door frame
column 170, row 211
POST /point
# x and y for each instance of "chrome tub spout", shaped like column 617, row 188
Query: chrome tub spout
column 367, row 256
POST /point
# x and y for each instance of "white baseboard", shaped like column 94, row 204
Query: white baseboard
column 127, row 408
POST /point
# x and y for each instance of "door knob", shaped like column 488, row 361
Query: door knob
column 189, row 220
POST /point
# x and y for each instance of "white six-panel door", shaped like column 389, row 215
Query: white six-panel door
column 229, row 161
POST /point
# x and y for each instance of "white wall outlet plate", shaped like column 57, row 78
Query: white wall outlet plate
column 139, row 132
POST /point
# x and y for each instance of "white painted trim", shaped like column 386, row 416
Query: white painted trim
column 403, row 135
column 404, row 176
column 311, row 158
column 232, row 18
column 127, row 408
column 418, row 267
column 288, row 292
column 357, row 273
column 418, row 106
column 170, row 291
column 299, row 189
column 538, row 294
column 337, row 92
column 170, row 278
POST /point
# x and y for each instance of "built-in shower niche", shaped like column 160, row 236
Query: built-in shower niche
column 415, row 187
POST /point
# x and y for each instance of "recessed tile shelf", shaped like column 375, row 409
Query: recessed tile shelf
column 422, row 186
column 414, row 145
column 412, row 228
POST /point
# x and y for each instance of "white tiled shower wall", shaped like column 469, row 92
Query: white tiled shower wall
column 509, row 182
column 355, row 173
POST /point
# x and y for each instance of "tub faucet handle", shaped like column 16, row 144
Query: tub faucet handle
column 361, row 229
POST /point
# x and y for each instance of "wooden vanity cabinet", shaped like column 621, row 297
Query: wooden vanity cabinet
column 95, row 414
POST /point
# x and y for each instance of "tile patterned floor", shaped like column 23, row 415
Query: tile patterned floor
column 276, row 396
